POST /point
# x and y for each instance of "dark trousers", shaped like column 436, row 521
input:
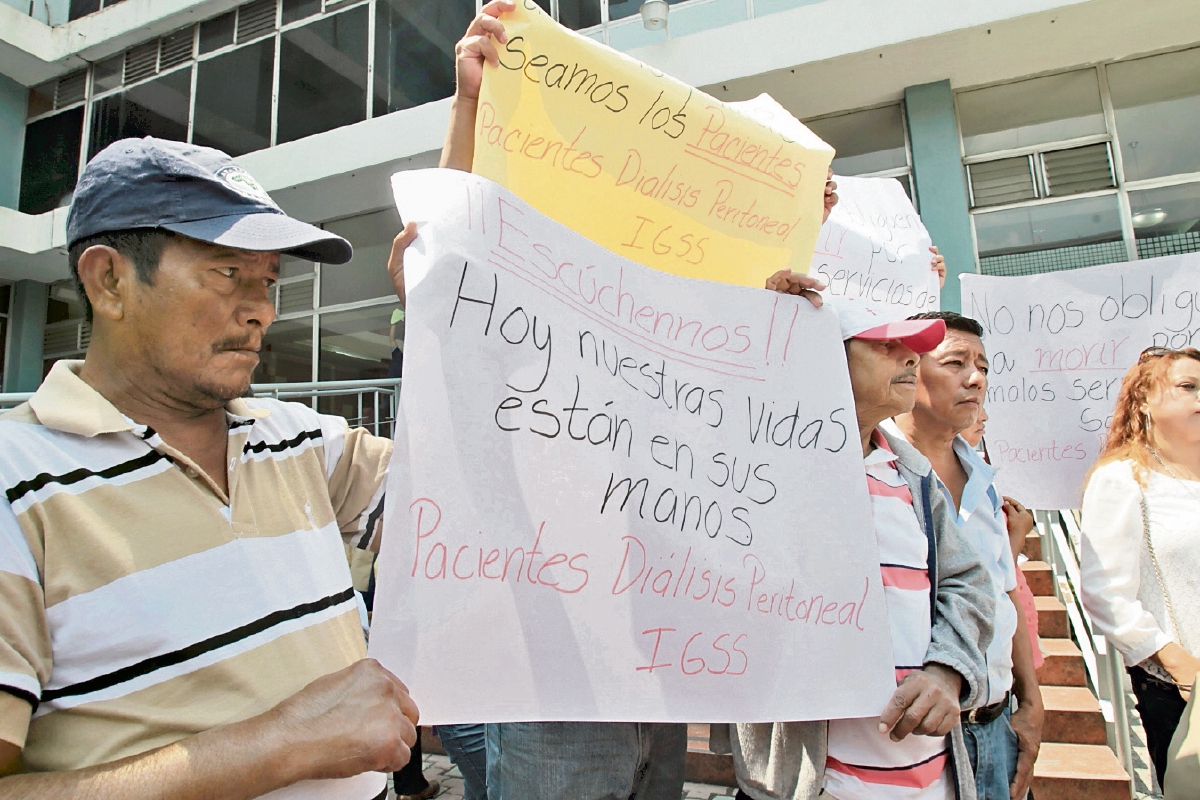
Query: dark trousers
column 1160, row 706
column 410, row 779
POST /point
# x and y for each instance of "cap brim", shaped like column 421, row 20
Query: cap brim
column 921, row 335
column 267, row 233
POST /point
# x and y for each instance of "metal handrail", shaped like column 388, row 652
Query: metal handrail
column 384, row 390
column 1060, row 535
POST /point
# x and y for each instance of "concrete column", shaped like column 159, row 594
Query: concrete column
column 14, row 99
column 941, row 181
column 27, row 323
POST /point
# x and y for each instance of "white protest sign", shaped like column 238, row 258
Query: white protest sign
column 1059, row 344
column 874, row 248
column 617, row 494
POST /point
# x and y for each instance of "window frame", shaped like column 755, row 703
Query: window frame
column 892, row 172
column 1111, row 137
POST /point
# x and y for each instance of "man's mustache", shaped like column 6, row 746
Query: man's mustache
column 238, row 343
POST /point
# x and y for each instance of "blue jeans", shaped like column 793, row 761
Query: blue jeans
column 467, row 747
column 993, row 751
column 586, row 760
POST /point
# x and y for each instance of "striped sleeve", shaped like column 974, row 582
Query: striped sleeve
column 356, row 466
column 25, row 654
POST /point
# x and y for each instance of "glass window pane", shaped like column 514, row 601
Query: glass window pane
column 217, row 32
column 41, row 99
column 108, row 74
column 1032, row 112
column 414, row 51
column 865, row 141
column 233, row 99
column 155, row 108
column 1076, row 233
column 64, row 302
column 576, row 14
column 1166, row 221
column 286, row 355
column 323, row 75
column 4, row 290
column 295, row 10
column 365, row 276
column 290, row 267
column 81, row 8
column 1157, row 103
column 51, row 161
column 355, row 344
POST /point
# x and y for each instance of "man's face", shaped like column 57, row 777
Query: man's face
column 951, row 383
column 200, row 324
column 883, row 377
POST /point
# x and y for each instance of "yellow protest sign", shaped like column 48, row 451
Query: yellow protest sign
column 652, row 169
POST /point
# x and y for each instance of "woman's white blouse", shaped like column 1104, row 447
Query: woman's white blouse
column 1120, row 588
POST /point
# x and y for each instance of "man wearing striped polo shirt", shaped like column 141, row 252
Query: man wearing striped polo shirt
column 940, row 608
column 179, row 620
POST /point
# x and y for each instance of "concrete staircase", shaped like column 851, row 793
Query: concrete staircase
column 1075, row 761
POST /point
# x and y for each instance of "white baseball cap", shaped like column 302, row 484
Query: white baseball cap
column 860, row 320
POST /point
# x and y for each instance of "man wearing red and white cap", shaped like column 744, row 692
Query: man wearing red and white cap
column 940, row 610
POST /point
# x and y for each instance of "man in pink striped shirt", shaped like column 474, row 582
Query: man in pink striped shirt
column 940, row 610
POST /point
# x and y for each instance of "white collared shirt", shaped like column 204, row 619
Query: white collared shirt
column 981, row 519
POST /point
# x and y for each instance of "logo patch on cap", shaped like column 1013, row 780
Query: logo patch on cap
column 244, row 184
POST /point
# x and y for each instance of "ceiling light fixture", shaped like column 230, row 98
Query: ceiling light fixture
column 654, row 15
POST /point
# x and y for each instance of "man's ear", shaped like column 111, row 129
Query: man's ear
column 106, row 276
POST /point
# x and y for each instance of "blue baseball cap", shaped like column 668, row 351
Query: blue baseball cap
column 195, row 191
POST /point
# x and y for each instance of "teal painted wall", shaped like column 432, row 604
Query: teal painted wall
column 14, row 100
column 28, row 327
column 941, row 181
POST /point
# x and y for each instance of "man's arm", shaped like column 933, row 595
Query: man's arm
column 357, row 720
column 1027, row 719
column 476, row 46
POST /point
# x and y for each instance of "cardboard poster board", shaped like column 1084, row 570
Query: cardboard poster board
column 1060, row 344
column 645, row 165
column 617, row 494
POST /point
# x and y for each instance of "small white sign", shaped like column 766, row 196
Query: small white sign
column 874, row 248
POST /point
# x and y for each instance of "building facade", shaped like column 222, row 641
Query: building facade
column 1033, row 135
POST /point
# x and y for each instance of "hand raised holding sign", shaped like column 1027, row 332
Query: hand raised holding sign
column 395, row 265
column 787, row 282
column 938, row 265
column 831, row 197
column 477, row 46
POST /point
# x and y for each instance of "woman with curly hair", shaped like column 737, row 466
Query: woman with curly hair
column 1141, row 537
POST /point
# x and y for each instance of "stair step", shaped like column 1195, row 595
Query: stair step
column 1079, row 772
column 710, row 768
column 1052, row 618
column 702, row 765
column 1072, row 715
column 1040, row 577
column 1063, row 665
column 1033, row 546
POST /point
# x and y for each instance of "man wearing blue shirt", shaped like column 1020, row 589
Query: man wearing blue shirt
column 951, row 386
